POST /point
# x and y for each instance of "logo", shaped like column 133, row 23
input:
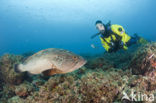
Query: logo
column 137, row 97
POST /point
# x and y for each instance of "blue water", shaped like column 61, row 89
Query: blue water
column 32, row 25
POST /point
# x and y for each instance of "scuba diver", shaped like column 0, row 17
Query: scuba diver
column 113, row 37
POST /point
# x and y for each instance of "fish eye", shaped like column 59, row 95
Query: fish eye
column 74, row 57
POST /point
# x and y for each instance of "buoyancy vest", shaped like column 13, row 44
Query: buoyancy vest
column 113, row 36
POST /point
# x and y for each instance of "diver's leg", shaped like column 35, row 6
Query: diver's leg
column 132, row 41
column 136, row 40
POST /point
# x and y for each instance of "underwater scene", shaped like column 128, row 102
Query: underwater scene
column 77, row 51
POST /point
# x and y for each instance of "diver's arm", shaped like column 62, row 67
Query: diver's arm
column 104, row 44
column 93, row 36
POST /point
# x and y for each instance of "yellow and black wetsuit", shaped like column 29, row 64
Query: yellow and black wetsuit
column 115, row 38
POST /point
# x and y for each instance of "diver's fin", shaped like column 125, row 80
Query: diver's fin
column 50, row 72
column 16, row 68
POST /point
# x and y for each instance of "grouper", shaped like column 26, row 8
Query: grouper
column 51, row 61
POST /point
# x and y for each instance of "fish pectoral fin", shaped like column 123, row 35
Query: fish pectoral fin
column 50, row 72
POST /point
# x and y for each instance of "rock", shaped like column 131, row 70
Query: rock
column 144, row 60
column 99, row 62
column 102, row 80
column 24, row 89
column 15, row 99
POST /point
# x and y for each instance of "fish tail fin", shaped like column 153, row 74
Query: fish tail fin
column 18, row 68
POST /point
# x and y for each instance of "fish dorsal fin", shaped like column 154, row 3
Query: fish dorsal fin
column 50, row 72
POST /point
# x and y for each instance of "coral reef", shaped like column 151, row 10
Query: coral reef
column 99, row 62
column 144, row 60
column 6, row 69
column 103, row 79
column 24, row 89
column 94, row 86
column 15, row 99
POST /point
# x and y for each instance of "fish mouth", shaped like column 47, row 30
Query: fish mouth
column 78, row 65
column 81, row 63
column 85, row 61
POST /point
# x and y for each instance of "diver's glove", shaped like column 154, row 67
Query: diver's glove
column 110, row 50
column 122, row 44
